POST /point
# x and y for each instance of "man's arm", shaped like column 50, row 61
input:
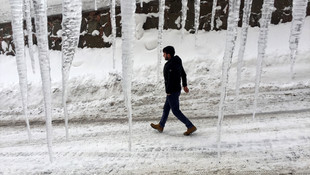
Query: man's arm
column 184, row 79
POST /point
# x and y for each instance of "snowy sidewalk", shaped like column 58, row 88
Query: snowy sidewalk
column 272, row 144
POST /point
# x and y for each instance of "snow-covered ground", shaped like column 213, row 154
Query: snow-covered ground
column 272, row 144
column 276, row 141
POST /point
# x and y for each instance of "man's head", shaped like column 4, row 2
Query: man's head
column 168, row 52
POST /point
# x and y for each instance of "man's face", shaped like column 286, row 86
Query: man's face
column 166, row 56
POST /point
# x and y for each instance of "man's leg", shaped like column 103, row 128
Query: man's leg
column 173, row 100
column 166, row 111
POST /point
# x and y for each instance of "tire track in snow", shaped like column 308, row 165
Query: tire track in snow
column 272, row 143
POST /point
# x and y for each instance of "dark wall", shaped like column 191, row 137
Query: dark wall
column 100, row 21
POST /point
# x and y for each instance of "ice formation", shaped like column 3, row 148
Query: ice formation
column 113, row 25
column 267, row 9
column 95, row 5
column 213, row 13
column 27, row 6
column 161, row 21
column 71, row 24
column 41, row 31
column 231, row 36
column 184, row 15
column 128, row 8
column 18, row 36
column 245, row 25
column 299, row 14
column 197, row 16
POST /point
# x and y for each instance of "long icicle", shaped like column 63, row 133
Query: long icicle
column 262, row 44
column 197, row 16
column 231, row 36
column 27, row 5
column 213, row 13
column 184, row 16
column 113, row 26
column 40, row 7
column 161, row 22
column 71, row 24
column 128, row 8
column 299, row 15
column 18, row 36
column 245, row 27
column 95, row 5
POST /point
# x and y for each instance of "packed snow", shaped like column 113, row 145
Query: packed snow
column 276, row 141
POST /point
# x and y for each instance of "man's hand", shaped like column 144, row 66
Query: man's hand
column 186, row 89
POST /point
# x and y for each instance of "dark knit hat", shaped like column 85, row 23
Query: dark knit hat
column 169, row 50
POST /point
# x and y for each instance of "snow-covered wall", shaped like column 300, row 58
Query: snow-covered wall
column 96, row 25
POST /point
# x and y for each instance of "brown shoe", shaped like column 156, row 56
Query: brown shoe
column 158, row 127
column 190, row 130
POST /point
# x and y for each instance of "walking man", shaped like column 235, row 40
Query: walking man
column 173, row 72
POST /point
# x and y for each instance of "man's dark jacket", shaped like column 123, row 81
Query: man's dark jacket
column 173, row 72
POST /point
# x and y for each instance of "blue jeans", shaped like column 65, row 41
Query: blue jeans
column 172, row 102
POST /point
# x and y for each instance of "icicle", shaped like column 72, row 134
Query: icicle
column 113, row 25
column 18, row 38
column 262, row 44
column 95, row 4
column 41, row 31
column 160, row 36
column 27, row 6
column 141, row 3
column 299, row 14
column 128, row 8
column 245, row 26
column 213, row 13
column 184, row 15
column 71, row 25
column 197, row 16
column 231, row 37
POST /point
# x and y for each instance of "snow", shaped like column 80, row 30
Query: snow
column 276, row 142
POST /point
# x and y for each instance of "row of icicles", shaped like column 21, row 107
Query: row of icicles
column 71, row 22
